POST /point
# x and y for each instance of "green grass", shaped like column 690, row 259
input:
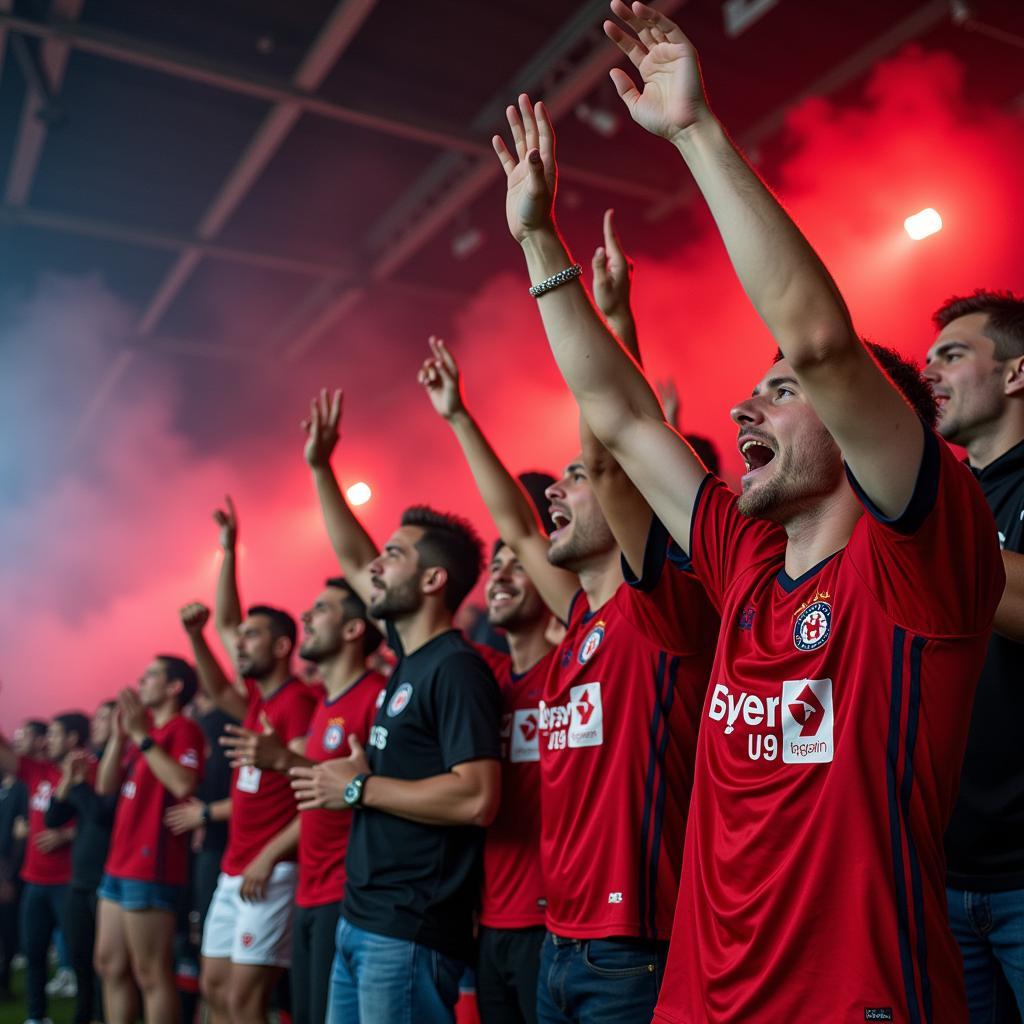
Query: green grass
column 12, row 1011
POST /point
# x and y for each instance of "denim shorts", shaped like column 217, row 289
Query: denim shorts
column 131, row 894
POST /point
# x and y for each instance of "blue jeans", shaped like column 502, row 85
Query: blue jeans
column 42, row 907
column 376, row 979
column 989, row 928
column 599, row 981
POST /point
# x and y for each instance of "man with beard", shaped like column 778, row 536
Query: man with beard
column 247, row 935
column 428, row 782
column 339, row 637
column 635, row 657
column 154, row 755
column 75, row 798
column 46, row 870
column 812, row 883
column 976, row 367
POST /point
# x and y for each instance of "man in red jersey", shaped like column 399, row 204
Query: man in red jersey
column 46, row 870
column 339, row 637
column 835, row 722
column 619, row 711
column 154, row 757
column 247, row 935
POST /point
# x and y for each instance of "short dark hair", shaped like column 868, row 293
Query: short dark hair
column 281, row 623
column 906, row 376
column 450, row 542
column 180, row 669
column 1005, row 312
column 76, row 722
column 353, row 607
column 36, row 726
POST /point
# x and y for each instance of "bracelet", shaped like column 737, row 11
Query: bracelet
column 146, row 743
column 555, row 280
column 205, row 814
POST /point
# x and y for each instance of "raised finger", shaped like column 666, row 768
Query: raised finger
column 508, row 161
column 529, row 122
column 629, row 45
column 545, row 134
column 518, row 134
column 655, row 19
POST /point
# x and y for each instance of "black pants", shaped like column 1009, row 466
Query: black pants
column 79, row 924
column 312, row 956
column 9, row 934
column 41, row 909
column 506, row 974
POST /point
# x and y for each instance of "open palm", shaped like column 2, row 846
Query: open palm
column 531, row 173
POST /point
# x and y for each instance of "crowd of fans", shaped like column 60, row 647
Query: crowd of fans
column 710, row 757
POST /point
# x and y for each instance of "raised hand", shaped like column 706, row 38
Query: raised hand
column 613, row 274
column 439, row 376
column 194, row 617
column 322, row 428
column 227, row 519
column 673, row 97
column 76, row 766
column 531, row 173
column 134, row 717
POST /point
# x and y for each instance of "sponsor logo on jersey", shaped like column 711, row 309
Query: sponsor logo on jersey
column 591, row 643
column 807, row 721
column 249, row 779
column 333, row 735
column 524, row 742
column 615, row 897
column 378, row 737
column 746, row 619
column 41, row 797
column 400, row 700
column 128, row 789
column 190, row 759
column 813, row 624
column 580, row 723
column 878, row 1013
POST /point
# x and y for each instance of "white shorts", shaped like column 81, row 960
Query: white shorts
column 252, row 933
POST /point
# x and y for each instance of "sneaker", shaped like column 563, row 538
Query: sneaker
column 36, row 1020
column 63, row 984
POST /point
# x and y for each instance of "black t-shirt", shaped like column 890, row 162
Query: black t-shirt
column 406, row 880
column 94, row 822
column 216, row 781
column 985, row 838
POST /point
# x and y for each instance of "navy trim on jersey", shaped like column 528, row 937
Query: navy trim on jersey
column 922, row 500
column 572, row 607
column 345, row 693
column 899, row 795
column 789, row 584
column 679, row 559
column 696, row 505
column 655, row 549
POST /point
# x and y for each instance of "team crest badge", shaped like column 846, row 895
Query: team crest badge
column 333, row 736
column 590, row 645
column 813, row 624
column 400, row 700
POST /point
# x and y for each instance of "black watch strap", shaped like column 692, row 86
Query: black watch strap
column 147, row 743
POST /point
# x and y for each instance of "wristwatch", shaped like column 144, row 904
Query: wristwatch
column 146, row 743
column 353, row 795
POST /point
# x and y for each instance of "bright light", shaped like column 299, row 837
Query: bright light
column 359, row 494
column 923, row 224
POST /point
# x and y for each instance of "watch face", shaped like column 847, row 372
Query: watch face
column 351, row 794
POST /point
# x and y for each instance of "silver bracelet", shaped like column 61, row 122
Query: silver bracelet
column 552, row 282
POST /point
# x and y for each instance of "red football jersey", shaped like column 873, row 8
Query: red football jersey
column 262, row 802
column 512, row 895
column 834, row 727
column 323, row 834
column 141, row 846
column 53, row 868
column 618, row 734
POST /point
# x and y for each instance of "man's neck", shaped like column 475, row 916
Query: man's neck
column 422, row 626
column 984, row 450
column 163, row 713
column 342, row 672
column 527, row 645
column 813, row 535
column 273, row 682
column 601, row 577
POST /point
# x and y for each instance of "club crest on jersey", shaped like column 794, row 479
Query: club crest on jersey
column 400, row 700
column 591, row 643
column 333, row 736
column 813, row 624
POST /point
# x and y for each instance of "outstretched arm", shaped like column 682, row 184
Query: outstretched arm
column 227, row 609
column 613, row 395
column 510, row 507
column 780, row 272
column 352, row 544
column 213, row 679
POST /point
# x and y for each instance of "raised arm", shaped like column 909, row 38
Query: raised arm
column 111, row 767
column 514, row 516
column 613, row 395
column 624, row 507
column 213, row 679
column 353, row 546
column 227, row 609
column 780, row 272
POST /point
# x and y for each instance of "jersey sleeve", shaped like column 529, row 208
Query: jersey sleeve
column 667, row 603
column 935, row 568
column 185, row 745
column 467, row 709
column 724, row 542
column 291, row 720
